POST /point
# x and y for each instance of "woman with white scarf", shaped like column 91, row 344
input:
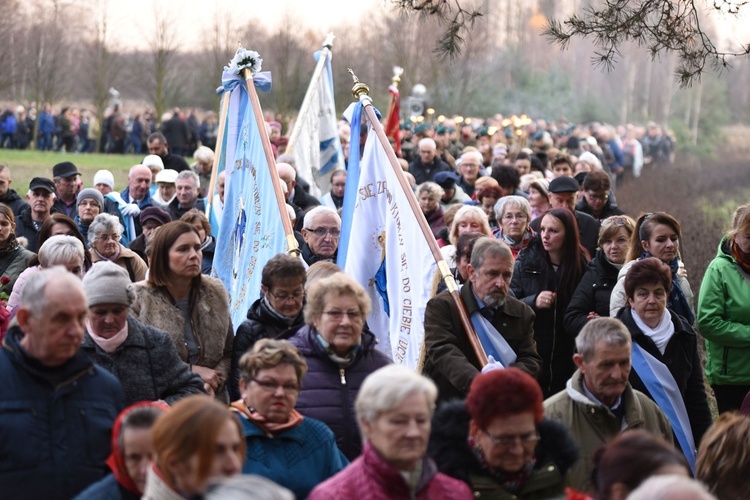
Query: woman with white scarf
column 667, row 337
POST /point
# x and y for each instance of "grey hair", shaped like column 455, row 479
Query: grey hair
column 670, row 487
column 204, row 155
column 33, row 297
column 244, row 486
column 104, row 222
column 489, row 247
column 427, row 142
column 60, row 249
column 608, row 330
column 513, row 201
column 476, row 154
column 386, row 388
column 432, row 188
column 189, row 174
column 314, row 212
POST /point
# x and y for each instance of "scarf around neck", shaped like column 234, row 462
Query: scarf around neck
column 116, row 460
column 111, row 344
column 661, row 334
column 677, row 300
column 114, row 257
column 276, row 314
column 268, row 428
column 342, row 361
column 510, row 481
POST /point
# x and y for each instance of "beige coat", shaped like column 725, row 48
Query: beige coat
column 127, row 256
column 211, row 323
column 593, row 425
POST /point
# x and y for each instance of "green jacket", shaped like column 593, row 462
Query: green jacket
column 724, row 319
column 593, row 425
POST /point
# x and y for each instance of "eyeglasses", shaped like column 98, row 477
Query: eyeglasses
column 269, row 386
column 339, row 315
column 617, row 220
column 296, row 296
column 321, row 232
column 507, row 441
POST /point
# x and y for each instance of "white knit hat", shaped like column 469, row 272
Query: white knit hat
column 104, row 177
column 153, row 161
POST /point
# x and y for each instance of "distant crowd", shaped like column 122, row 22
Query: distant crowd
column 125, row 376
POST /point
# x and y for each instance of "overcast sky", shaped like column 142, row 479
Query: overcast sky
column 130, row 19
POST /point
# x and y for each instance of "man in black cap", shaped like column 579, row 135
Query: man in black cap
column 41, row 196
column 65, row 175
column 453, row 193
column 562, row 194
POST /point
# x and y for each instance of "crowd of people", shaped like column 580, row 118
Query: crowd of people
column 126, row 377
column 77, row 130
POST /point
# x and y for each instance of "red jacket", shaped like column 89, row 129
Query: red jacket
column 370, row 477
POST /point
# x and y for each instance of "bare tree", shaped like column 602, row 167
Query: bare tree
column 102, row 61
column 10, row 22
column 661, row 26
column 161, row 80
column 49, row 57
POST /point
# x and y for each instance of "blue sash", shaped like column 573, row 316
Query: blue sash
column 493, row 343
column 663, row 388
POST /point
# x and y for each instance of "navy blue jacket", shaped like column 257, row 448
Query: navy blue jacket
column 107, row 489
column 328, row 391
column 55, row 423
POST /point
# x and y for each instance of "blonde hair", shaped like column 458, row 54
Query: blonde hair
column 465, row 213
column 336, row 285
column 269, row 353
column 723, row 461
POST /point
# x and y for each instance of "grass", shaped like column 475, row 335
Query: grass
column 25, row 165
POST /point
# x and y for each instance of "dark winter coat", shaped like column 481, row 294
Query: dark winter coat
column 14, row 264
column 25, row 228
column 682, row 359
column 533, row 274
column 15, row 202
column 55, row 423
column 107, row 489
column 423, row 173
column 436, row 220
column 147, row 365
column 370, row 477
column 328, row 391
column 176, row 211
column 593, row 294
column 449, row 358
column 555, row 454
column 261, row 323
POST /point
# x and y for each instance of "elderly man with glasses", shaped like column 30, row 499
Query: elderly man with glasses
column 321, row 231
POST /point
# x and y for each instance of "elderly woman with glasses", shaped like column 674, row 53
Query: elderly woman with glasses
column 298, row 452
column 394, row 408
column 339, row 354
column 498, row 441
column 104, row 237
column 514, row 215
column 591, row 298
column 278, row 310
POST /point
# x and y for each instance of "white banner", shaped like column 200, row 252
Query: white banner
column 389, row 256
column 317, row 150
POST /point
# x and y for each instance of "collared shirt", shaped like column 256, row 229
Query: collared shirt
column 593, row 398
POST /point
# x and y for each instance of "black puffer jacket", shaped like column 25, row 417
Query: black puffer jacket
column 555, row 454
column 261, row 323
column 533, row 274
column 592, row 294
